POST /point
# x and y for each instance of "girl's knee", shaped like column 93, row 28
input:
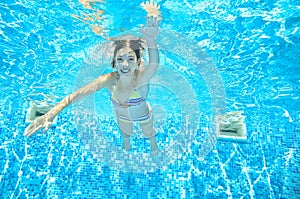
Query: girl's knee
column 125, row 127
column 148, row 129
column 149, row 134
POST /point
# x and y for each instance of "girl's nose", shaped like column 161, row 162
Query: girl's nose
column 125, row 63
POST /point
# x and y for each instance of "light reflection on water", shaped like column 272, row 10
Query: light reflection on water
column 254, row 45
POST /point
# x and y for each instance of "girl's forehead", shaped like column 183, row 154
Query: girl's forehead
column 125, row 51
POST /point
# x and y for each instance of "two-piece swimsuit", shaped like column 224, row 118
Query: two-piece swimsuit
column 135, row 101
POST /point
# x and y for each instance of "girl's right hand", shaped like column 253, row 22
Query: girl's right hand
column 44, row 121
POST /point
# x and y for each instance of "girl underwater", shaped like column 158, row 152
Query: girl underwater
column 128, row 86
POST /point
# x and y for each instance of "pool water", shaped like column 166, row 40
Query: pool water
column 216, row 57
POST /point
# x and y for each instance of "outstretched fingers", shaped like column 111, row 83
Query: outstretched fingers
column 48, row 124
column 152, row 21
column 32, row 129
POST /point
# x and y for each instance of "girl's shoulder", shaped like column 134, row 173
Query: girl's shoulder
column 113, row 78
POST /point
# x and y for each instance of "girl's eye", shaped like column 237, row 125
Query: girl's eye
column 119, row 59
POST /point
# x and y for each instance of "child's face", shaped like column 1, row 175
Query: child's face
column 126, row 61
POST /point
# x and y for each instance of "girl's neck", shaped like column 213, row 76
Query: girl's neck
column 127, row 81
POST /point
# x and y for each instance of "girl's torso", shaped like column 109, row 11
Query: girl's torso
column 130, row 100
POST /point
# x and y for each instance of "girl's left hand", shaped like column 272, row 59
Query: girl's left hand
column 151, row 30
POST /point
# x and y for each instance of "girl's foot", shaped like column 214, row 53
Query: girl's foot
column 153, row 145
column 154, row 152
column 127, row 146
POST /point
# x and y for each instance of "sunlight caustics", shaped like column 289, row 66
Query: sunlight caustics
column 94, row 19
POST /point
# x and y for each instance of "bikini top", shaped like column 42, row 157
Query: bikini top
column 134, row 100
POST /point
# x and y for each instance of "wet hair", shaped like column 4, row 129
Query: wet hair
column 135, row 45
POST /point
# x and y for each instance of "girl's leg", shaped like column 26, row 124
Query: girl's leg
column 126, row 129
column 149, row 132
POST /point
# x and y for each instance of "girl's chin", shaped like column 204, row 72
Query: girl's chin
column 126, row 74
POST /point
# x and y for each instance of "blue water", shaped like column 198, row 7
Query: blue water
column 252, row 53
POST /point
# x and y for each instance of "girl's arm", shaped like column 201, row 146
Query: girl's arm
column 45, row 121
column 150, row 33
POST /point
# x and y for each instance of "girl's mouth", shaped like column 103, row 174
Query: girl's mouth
column 125, row 70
